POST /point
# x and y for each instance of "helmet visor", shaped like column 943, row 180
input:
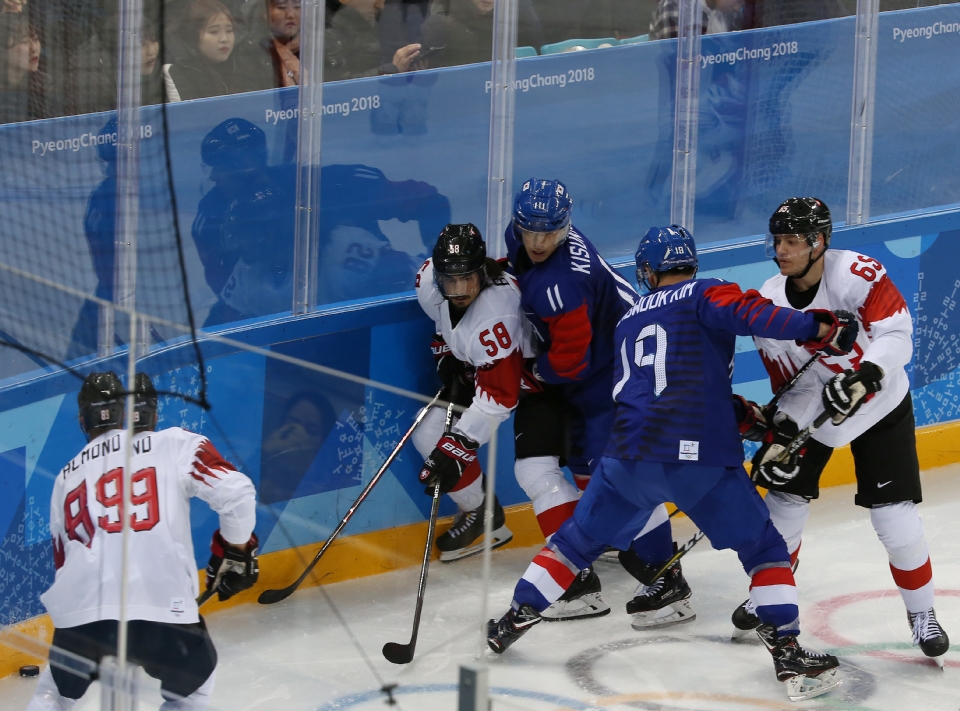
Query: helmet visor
column 791, row 242
column 455, row 286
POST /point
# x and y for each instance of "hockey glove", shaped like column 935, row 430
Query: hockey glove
column 846, row 392
column 766, row 470
column 230, row 570
column 842, row 335
column 449, row 367
column 447, row 462
column 750, row 419
column 530, row 380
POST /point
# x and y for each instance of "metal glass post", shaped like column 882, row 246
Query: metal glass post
column 310, row 112
column 861, row 120
column 129, row 64
column 684, row 184
column 503, row 73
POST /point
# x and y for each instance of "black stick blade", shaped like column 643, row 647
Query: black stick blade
column 268, row 597
column 398, row 653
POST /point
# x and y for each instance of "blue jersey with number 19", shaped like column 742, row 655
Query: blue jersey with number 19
column 674, row 363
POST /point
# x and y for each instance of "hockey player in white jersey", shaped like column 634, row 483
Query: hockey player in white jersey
column 166, row 635
column 868, row 395
column 480, row 342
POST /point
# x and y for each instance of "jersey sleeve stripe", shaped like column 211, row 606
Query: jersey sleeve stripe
column 570, row 336
column 883, row 301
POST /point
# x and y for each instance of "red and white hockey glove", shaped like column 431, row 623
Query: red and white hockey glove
column 231, row 570
column 751, row 420
column 846, row 392
column 447, row 462
column 842, row 333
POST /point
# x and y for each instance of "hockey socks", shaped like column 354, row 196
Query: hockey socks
column 553, row 497
column 545, row 580
column 900, row 529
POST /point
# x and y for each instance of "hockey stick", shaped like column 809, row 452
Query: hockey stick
column 681, row 551
column 793, row 381
column 268, row 597
column 394, row 652
column 801, row 438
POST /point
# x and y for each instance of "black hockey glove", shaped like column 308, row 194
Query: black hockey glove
column 449, row 367
column 765, row 469
column 841, row 336
column 846, row 392
column 230, row 570
column 447, row 462
column 751, row 419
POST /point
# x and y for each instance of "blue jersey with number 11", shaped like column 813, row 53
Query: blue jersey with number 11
column 674, row 365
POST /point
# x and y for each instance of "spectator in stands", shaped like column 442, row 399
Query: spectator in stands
column 95, row 70
column 210, row 66
column 283, row 42
column 352, row 44
column 773, row 13
column 399, row 25
column 22, row 83
column 718, row 16
column 461, row 31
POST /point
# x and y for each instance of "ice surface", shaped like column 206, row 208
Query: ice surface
column 298, row 655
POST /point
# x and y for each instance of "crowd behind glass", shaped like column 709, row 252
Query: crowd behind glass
column 61, row 55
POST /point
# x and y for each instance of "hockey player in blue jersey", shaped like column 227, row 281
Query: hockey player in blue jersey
column 676, row 438
column 574, row 300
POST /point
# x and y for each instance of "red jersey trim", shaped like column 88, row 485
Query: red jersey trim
column 500, row 380
column 570, row 336
column 883, row 301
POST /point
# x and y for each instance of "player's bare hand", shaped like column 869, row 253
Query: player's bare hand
column 405, row 56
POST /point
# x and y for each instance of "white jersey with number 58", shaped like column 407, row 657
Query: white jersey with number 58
column 858, row 284
column 493, row 336
column 169, row 467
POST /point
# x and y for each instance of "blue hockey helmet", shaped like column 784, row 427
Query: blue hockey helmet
column 663, row 249
column 542, row 206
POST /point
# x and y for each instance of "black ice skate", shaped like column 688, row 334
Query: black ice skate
column 745, row 618
column 580, row 601
column 465, row 537
column 511, row 627
column 806, row 674
column 664, row 603
column 928, row 633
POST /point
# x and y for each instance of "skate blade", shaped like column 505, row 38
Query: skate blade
column 583, row 607
column 939, row 661
column 743, row 635
column 501, row 537
column 801, row 688
column 676, row 613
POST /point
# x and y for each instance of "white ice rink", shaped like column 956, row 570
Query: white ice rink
column 297, row 655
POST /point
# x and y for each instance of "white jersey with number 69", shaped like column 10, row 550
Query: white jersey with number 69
column 169, row 467
column 493, row 336
column 858, row 284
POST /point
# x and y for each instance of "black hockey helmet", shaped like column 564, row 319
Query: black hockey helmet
column 459, row 251
column 802, row 216
column 145, row 405
column 100, row 403
column 808, row 218
column 235, row 145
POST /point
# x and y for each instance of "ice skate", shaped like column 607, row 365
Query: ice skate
column 807, row 674
column 664, row 603
column 465, row 537
column 745, row 619
column 580, row 601
column 929, row 635
column 511, row 627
